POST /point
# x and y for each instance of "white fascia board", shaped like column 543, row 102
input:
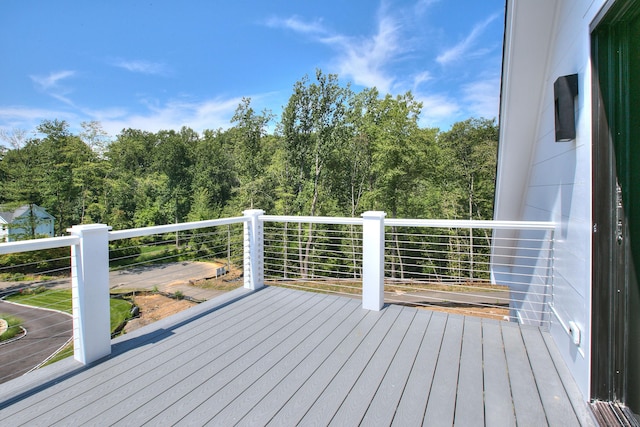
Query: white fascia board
column 528, row 35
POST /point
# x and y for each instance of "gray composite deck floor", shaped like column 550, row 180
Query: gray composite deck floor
column 286, row 357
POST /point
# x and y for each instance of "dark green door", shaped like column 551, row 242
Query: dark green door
column 616, row 205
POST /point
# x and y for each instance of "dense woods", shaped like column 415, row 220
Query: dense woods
column 332, row 152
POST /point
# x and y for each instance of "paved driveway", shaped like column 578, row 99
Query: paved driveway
column 47, row 331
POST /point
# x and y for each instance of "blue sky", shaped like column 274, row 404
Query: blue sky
column 155, row 65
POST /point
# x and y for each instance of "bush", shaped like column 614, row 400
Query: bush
column 33, row 262
column 124, row 250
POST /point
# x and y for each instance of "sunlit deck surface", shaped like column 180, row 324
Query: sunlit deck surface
column 285, row 357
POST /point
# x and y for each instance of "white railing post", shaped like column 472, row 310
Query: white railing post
column 253, row 250
column 373, row 260
column 90, row 292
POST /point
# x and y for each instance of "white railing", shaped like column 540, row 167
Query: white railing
column 476, row 266
column 495, row 269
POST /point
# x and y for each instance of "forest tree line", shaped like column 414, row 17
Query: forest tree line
column 333, row 152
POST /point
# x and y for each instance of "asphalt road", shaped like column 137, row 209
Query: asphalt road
column 164, row 277
column 47, row 331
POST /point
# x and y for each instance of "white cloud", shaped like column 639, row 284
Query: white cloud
column 361, row 59
column 365, row 59
column 482, row 97
column 422, row 5
column 19, row 117
column 420, row 78
column 296, row 24
column 209, row 114
column 51, row 85
column 464, row 47
column 437, row 109
column 51, row 81
column 141, row 66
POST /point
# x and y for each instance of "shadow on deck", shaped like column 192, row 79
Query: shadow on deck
column 286, row 357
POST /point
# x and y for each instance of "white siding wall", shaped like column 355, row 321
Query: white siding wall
column 559, row 186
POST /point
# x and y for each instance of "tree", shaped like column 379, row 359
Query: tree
column 173, row 157
column 314, row 127
column 249, row 158
column 471, row 152
column 95, row 137
column 213, row 175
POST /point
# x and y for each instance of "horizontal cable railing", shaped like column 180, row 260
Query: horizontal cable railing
column 191, row 264
column 322, row 254
column 496, row 269
column 472, row 268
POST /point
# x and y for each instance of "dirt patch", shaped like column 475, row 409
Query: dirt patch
column 154, row 307
column 484, row 312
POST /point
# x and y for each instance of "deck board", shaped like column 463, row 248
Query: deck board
column 162, row 373
column 361, row 394
column 442, row 399
column 526, row 400
column 335, row 381
column 497, row 390
column 552, row 393
column 283, row 357
column 413, row 403
column 250, row 397
column 389, row 392
column 469, row 409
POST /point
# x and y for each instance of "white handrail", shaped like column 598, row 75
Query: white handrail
column 38, row 244
column 465, row 223
column 402, row 222
column 312, row 219
column 170, row 228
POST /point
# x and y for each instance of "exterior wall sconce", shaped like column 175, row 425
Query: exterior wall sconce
column 565, row 90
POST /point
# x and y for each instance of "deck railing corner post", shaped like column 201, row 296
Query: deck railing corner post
column 373, row 260
column 90, row 292
column 253, row 250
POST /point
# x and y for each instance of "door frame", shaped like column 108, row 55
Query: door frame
column 610, row 242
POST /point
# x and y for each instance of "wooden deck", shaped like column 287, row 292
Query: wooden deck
column 284, row 357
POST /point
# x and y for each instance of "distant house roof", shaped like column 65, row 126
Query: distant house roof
column 8, row 216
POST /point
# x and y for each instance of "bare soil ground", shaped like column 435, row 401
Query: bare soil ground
column 484, row 312
column 154, row 307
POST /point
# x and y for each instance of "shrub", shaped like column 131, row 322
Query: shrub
column 32, row 262
column 124, row 249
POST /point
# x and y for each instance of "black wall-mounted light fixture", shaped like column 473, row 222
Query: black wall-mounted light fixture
column 565, row 90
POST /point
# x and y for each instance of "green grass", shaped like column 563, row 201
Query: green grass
column 120, row 311
column 153, row 254
column 56, row 299
column 64, row 353
column 13, row 324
